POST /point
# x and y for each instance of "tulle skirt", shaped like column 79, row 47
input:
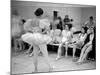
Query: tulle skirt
column 36, row 38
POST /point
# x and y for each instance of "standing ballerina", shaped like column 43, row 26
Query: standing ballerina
column 39, row 38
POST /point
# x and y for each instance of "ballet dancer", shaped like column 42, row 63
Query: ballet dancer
column 87, row 47
column 66, row 37
column 79, row 42
column 38, row 39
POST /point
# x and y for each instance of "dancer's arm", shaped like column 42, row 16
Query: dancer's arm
column 91, row 38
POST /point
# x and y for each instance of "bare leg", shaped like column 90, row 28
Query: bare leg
column 74, row 50
column 43, row 49
column 66, row 50
column 32, row 52
column 86, row 52
column 36, row 57
column 82, row 53
column 59, row 51
column 29, row 49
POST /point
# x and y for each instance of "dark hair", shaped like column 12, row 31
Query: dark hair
column 69, row 26
column 59, row 18
column 91, row 17
column 85, row 29
column 23, row 21
column 38, row 12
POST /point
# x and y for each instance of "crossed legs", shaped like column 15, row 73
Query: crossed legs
column 85, row 50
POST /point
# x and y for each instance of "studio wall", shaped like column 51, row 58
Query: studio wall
column 78, row 14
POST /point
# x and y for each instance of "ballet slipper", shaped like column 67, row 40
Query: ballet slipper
column 58, row 57
column 80, row 62
column 74, row 59
column 66, row 56
column 31, row 55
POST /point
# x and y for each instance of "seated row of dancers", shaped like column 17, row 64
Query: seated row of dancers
column 79, row 42
column 38, row 35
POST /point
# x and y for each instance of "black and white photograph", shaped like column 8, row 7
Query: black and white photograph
column 52, row 37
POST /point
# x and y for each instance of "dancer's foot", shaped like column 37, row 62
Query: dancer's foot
column 35, row 70
column 51, row 68
column 66, row 56
column 79, row 62
column 31, row 55
column 58, row 57
column 74, row 59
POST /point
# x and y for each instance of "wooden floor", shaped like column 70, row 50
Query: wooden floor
column 22, row 63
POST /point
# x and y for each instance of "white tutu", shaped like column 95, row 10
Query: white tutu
column 36, row 38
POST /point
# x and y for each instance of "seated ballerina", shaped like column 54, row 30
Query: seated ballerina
column 79, row 41
column 56, row 36
column 38, row 40
column 87, row 47
column 66, row 38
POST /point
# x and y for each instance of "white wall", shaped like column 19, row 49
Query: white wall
column 87, row 12
column 28, row 12
column 78, row 14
